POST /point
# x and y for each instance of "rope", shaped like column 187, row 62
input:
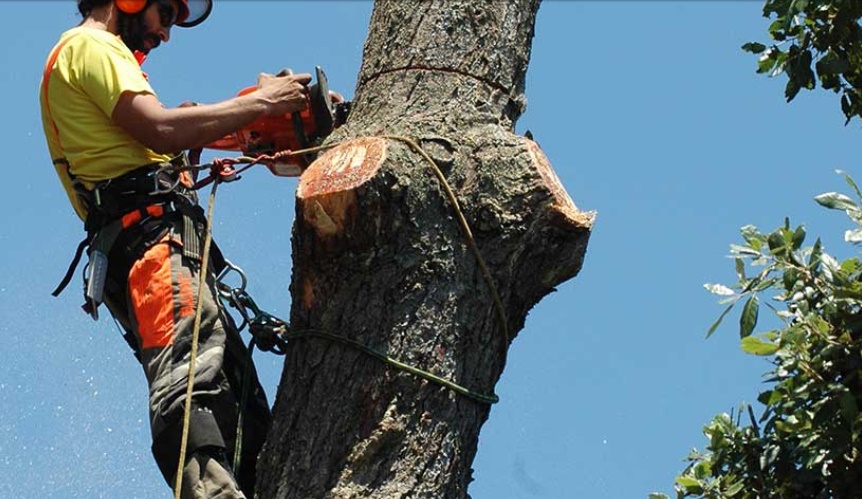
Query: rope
column 468, row 234
column 194, row 347
column 240, row 417
column 451, row 385
column 447, row 189
column 222, row 171
column 271, row 334
column 222, row 166
column 471, row 243
column 462, row 221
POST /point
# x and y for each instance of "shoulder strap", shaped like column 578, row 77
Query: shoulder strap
column 46, row 77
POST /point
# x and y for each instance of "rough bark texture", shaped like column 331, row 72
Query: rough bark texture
column 380, row 258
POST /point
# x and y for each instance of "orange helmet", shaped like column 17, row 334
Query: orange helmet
column 191, row 12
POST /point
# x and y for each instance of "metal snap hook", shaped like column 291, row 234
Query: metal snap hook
column 226, row 291
column 164, row 173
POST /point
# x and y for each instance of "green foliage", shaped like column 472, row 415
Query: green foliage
column 807, row 441
column 815, row 40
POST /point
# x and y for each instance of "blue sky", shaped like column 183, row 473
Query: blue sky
column 650, row 114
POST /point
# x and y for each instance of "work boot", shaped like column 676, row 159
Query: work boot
column 207, row 476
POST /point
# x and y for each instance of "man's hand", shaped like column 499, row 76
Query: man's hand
column 284, row 94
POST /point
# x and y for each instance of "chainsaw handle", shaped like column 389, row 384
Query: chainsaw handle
column 296, row 117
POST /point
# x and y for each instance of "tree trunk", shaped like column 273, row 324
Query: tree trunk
column 380, row 258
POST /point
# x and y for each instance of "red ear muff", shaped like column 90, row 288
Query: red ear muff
column 131, row 6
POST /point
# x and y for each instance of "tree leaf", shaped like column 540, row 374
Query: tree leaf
column 719, row 289
column 748, row 318
column 734, row 489
column 849, row 407
column 718, row 321
column 804, row 71
column 754, row 47
column 767, row 61
column 776, row 242
column 798, row 237
column 836, row 201
column 755, row 346
column 792, row 88
column 739, row 265
column 754, row 238
column 816, row 254
column 850, row 182
column 853, row 236
column 658, row 495
column 832, row 64
column 688, row 482
column 736, row 249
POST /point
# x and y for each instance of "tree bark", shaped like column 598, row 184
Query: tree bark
column 380, row 258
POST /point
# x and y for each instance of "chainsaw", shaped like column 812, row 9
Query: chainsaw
column 290, row 132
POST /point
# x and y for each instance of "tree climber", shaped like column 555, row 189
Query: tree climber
column 109, row 137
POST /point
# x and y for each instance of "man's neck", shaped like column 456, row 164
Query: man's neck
column 103, row 18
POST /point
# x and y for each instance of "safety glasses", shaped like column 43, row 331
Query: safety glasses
column 167, row 12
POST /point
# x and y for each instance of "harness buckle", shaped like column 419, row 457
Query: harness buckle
column 96, row 192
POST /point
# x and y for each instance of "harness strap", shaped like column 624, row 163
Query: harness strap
column 46, row 78
column 103, row 239
column 71, row 271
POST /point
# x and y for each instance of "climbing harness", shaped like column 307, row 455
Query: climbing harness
column 132, row 209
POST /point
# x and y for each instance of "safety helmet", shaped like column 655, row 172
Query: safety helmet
column 191, row 12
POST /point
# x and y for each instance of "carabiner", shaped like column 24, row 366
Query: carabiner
column 170, row 183
column 226, row 291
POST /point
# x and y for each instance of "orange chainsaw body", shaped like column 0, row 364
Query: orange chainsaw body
column 290, row 132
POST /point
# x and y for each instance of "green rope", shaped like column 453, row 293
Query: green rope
column 468, row 234
column 294, row 334
column 471, row 243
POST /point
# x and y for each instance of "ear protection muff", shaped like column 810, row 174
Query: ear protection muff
column 131, row 6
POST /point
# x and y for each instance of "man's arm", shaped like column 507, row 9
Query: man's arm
column 167, row 131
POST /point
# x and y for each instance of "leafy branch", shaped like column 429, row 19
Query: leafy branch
column 823, row 42
column 808, row 439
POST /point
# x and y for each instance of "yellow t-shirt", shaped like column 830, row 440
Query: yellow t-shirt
column 90, row 72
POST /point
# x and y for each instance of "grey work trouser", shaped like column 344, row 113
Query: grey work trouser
column 154, row 296
column 206, row 477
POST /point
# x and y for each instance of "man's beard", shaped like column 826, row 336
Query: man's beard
column 134, row 33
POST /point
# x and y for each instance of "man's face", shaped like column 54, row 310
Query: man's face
column 152, row 27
